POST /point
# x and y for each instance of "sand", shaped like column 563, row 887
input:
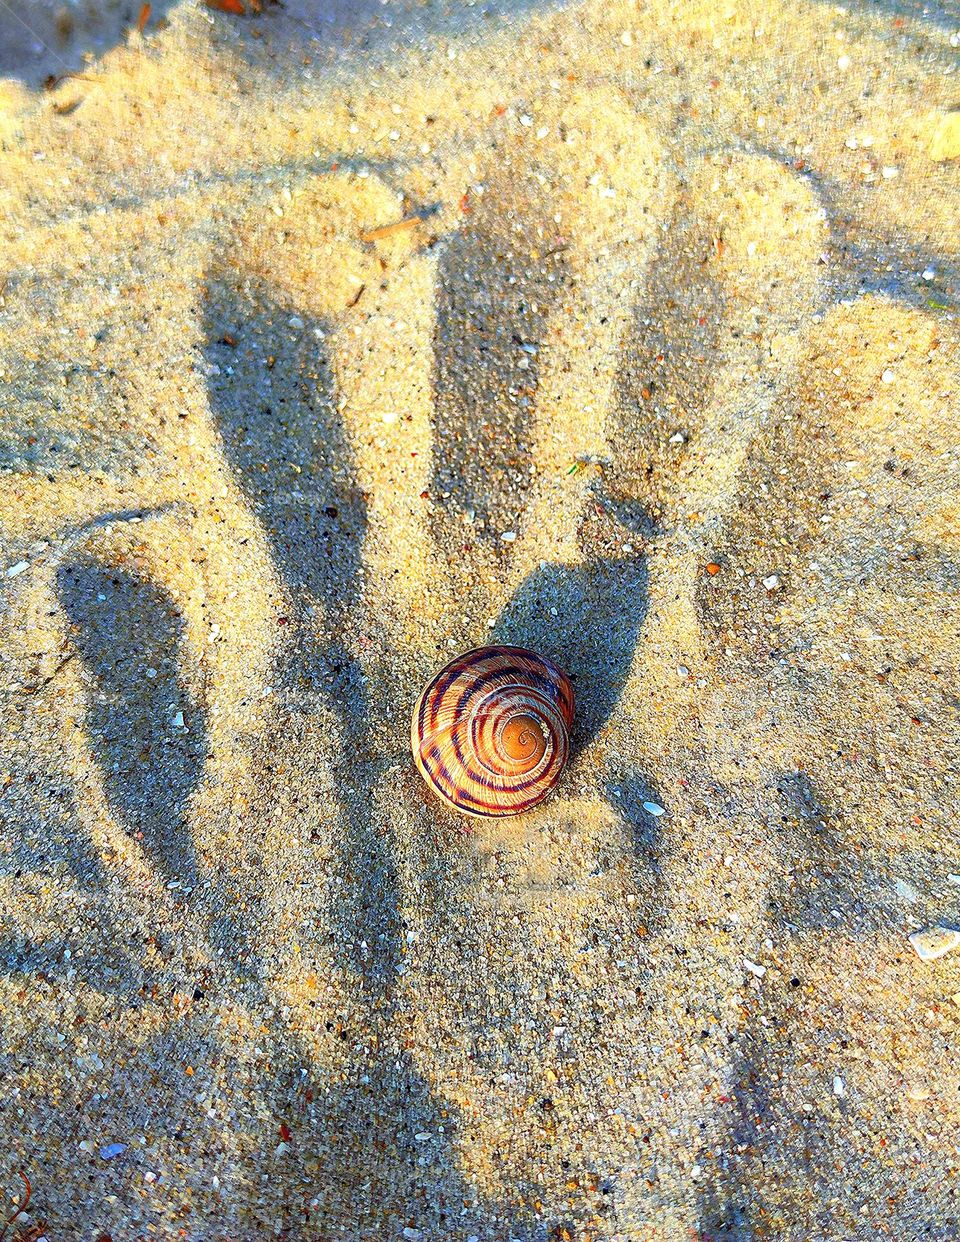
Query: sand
column 675, row 304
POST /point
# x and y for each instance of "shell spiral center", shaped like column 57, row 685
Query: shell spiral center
column 523, row 740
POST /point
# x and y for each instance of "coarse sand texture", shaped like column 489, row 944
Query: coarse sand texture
column 338, row 339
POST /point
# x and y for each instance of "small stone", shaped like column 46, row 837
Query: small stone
column 928, row 273
column 178, row 721
column 111, row 1150
column 905, row 890
column 20, row 566
column 758, row 971
column 934, row 942
column 839, row 1087
column 843, row 62
column 509, row 536
column 626, row 39
column 412, row 1235
column 526, row 121
column 888, row 376
column 918, row 1094
column 654, row 809
column 771, row 583
column 890, row 172
column 296, row 323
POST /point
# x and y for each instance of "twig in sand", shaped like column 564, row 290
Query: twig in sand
column 53, row 80
column 41, row 685
column 356, row 297
column 385, row 230
column 22, row 1207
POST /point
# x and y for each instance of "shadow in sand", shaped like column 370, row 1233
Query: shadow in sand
column 48, row 38
column 564, row 611
column 144, row 723
column 408, row 1182
column 273, row 400
column 493, row 308
column 867, row 263
column 628, row 792
column 664, row 379
column 274, row 404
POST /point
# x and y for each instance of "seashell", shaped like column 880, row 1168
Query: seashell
column 491, row 732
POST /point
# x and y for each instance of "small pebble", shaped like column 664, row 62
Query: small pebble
column 888, row 376
column 934, row 942
column 17, row 569
column 772, row 582
column 111, row 1150
column 918, row 1094
column 889, row 171
column 509, row 536
column 754, row 969
column 905, row 890
column 928, row 273
column 654, row 808
column 839, row 1087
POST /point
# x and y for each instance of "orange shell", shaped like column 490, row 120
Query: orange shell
column 491, row 732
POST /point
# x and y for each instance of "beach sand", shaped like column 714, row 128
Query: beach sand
column 674, row 302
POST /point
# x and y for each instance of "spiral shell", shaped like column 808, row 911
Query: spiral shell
column 490, row 733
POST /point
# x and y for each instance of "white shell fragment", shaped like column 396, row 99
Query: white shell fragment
column 934, row 942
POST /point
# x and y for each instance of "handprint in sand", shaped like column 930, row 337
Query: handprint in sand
column 511, row 420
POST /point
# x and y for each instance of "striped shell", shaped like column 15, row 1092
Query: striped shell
column 490, row 733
